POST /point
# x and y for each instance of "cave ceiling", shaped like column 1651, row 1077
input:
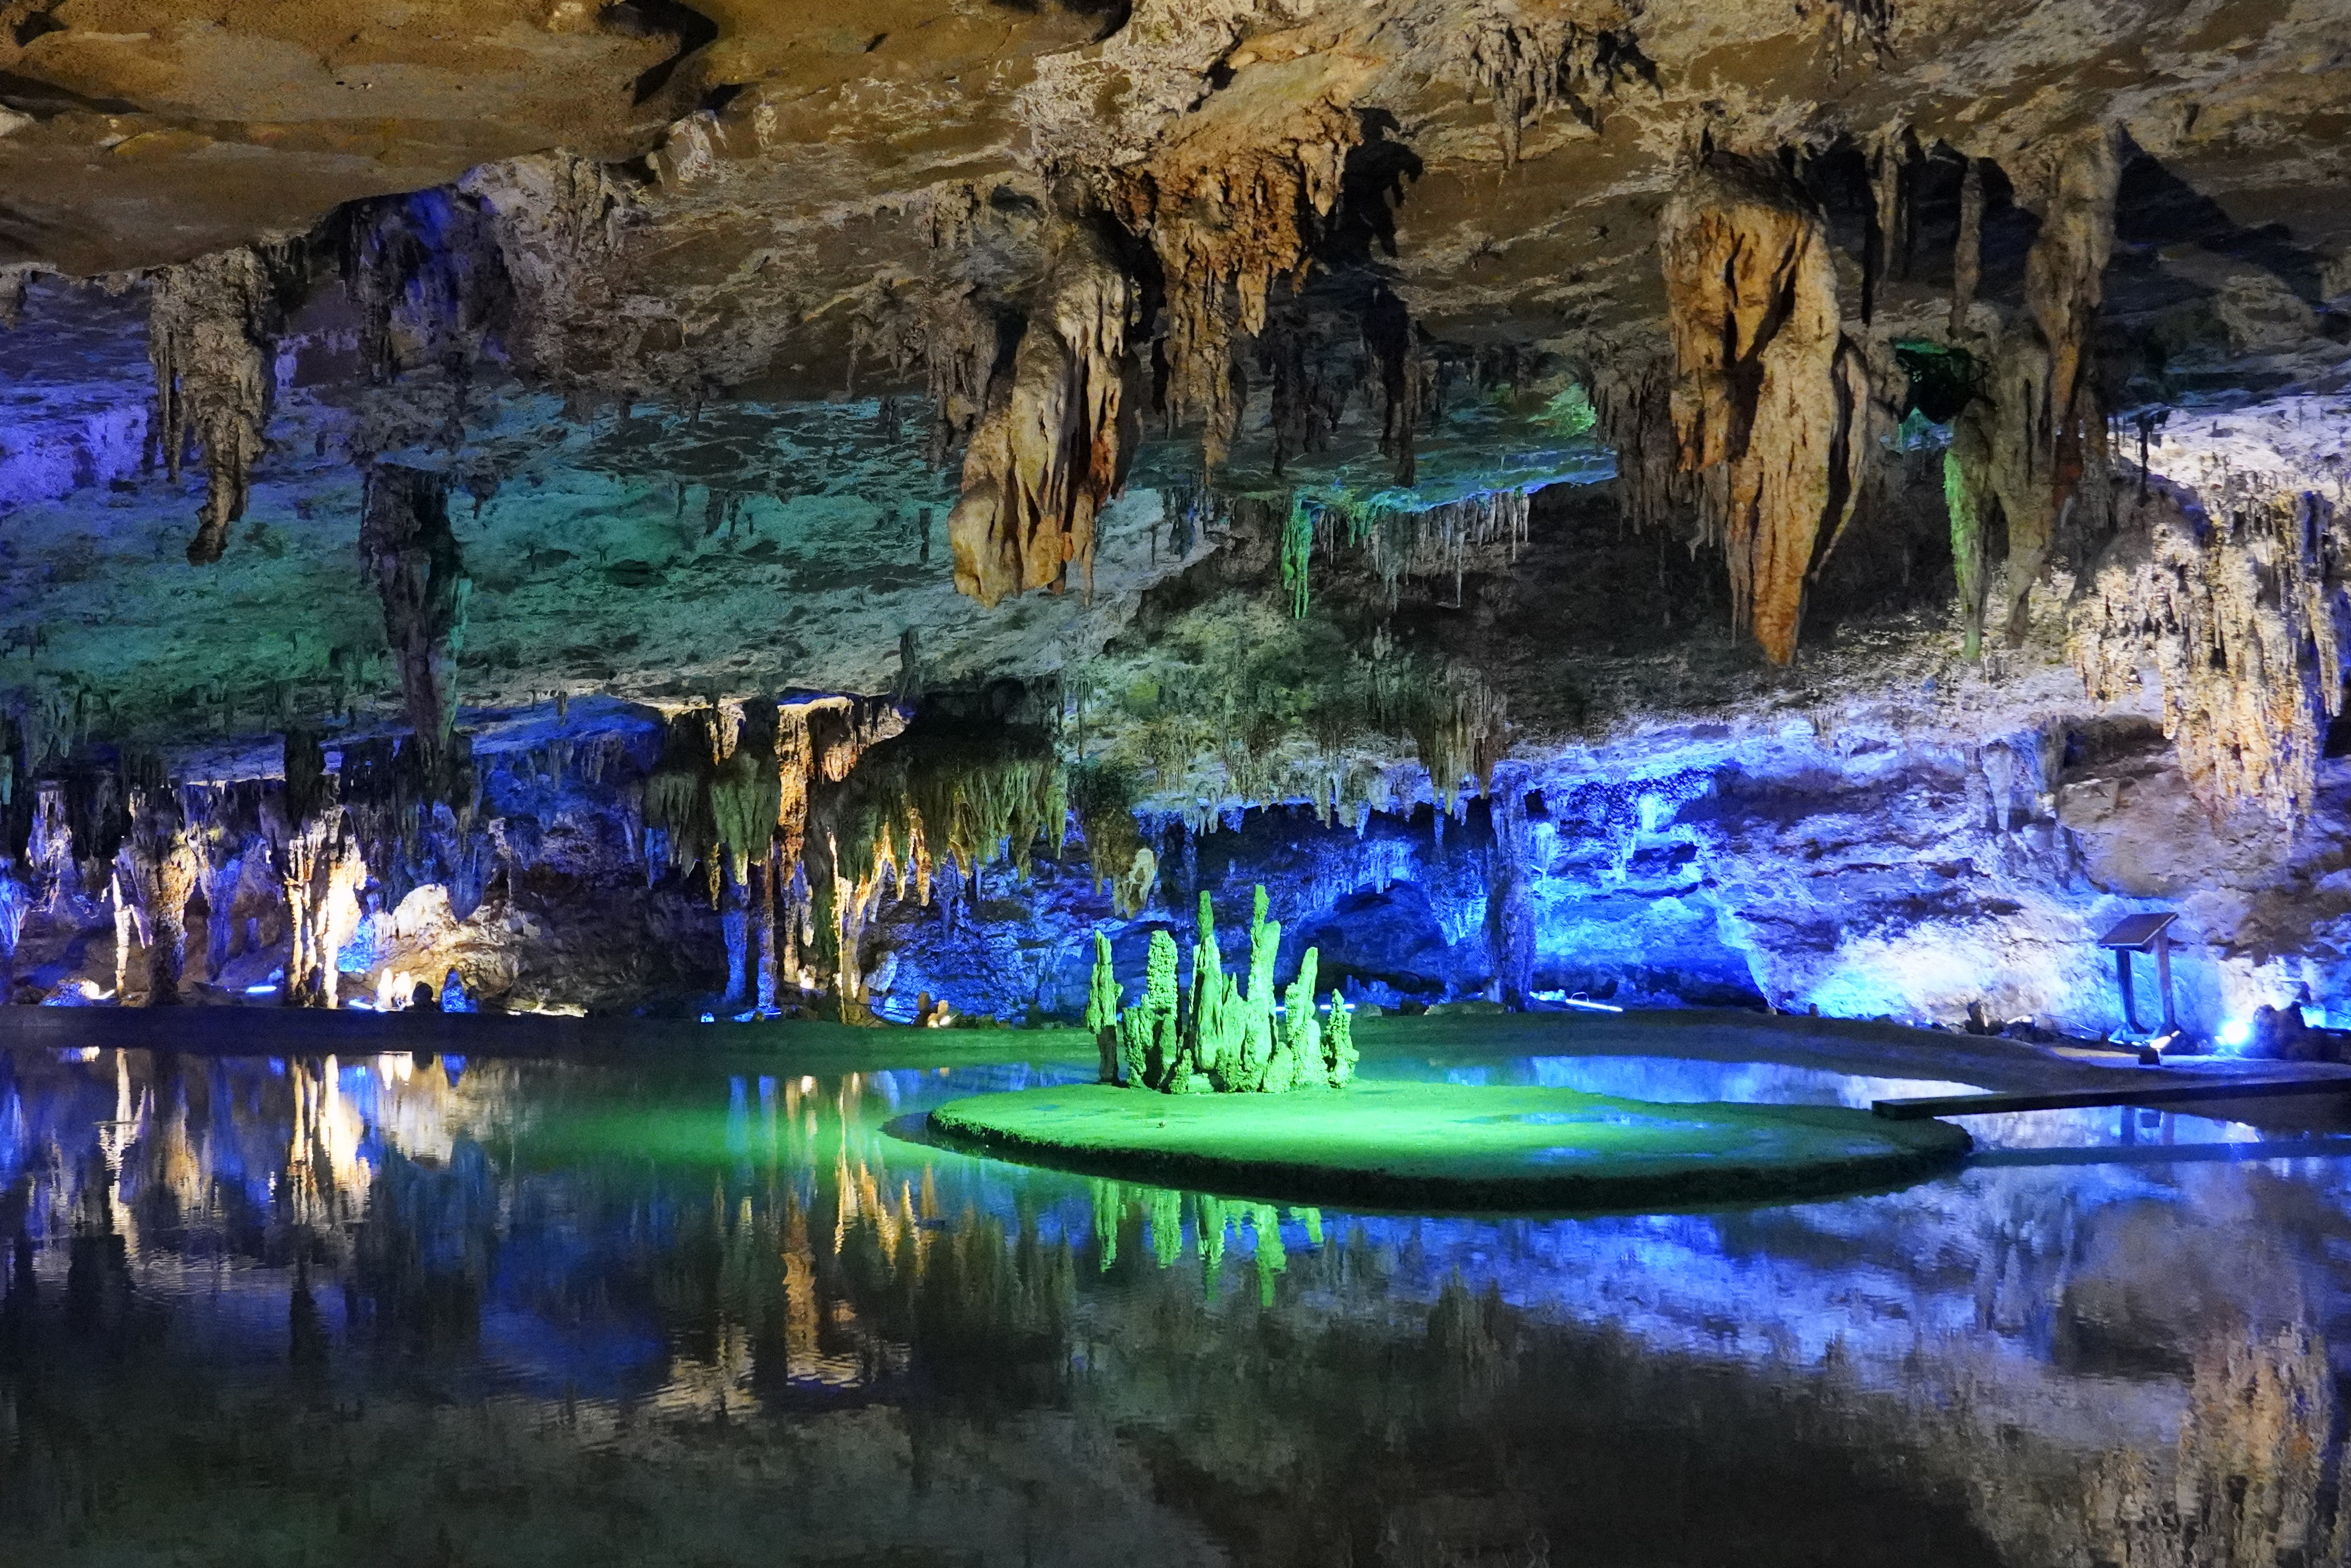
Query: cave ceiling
column 700, row 317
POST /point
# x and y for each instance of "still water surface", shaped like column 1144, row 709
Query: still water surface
column 405, row 1311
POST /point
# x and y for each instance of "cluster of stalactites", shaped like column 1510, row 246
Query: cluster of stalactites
column 1228, row 217
column 1229, row 1037
column 734, row 790
column 1771, row 397
column 1530, row 64
column 1445, row 540
column 2035, row 443
column 1461, row 732
column 211, row 327
column 2238, row 610
column 1053, row 447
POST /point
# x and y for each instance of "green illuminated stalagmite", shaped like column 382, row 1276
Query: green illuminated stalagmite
column 1101, row 1009
column 1230, row 1038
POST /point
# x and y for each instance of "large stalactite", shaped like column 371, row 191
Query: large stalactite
column 1052, row 448
column 2034, row 442
column 1770, row 400
column 212, row 329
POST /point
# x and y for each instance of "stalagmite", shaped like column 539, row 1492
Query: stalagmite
column 212, row 328
column 419, row 574
column 319, row 863
column 2240, row 610
column 1101, row 1009
column 2035, row 439
column 167, row 866
column 1768, row 406
column 15, row 903
column 1052, row 448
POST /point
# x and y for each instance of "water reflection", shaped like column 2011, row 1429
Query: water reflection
column 416, row 1311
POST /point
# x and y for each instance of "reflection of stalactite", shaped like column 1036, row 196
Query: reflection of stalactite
column 1228, row 217
column 2034, row 441
column 2240, row 612
column 211, row 327
column 1769, row 408
column 2248, row 1466
column 1052, row 448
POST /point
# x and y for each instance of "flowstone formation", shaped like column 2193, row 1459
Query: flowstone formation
column 1229, row 1036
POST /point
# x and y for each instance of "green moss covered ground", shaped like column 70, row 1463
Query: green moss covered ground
column 1454, row 1147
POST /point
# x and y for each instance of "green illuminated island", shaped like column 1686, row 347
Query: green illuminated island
column 1234, row 1094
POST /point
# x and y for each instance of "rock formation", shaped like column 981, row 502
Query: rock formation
column 2033, row 441
column 211, row 328
column 1768, row 404
column 1053, row 447
column 2241, row 614
column 412, row 556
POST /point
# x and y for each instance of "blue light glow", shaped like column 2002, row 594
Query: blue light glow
column 2235, row 1033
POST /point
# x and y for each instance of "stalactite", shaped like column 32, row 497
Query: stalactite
column 1769, row 409
column 2036, row 441
column 959, row 353
column 1101, row 795
column 211, row 328
column 1888, row 259
column 1052, row 448
column 2240, row 610
column 412, row 556
column 1965, row 507
column 1633, row 395
column 1459, row 729
column 1229, row 207
column 1966, row 253
column 1530, row 64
